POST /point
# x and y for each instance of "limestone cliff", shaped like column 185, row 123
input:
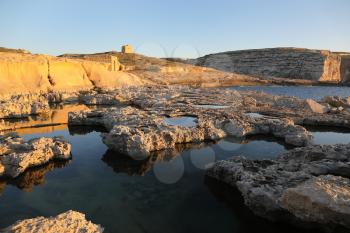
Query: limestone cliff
column 27, row 73
column 291, row 63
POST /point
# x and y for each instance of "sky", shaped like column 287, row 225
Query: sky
column 173, row 28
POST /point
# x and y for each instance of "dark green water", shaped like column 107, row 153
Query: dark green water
column 123, row 195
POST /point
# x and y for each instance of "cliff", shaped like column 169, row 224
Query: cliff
column 291, row 63
column 27, row 73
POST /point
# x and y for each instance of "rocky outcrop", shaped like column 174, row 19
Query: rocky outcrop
column 305, row 185
column 68, row 222
column 16, row 155
column 291, row 63
column 323, row 199
column 142, row 130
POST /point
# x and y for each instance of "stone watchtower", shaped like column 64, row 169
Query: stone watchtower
column 127, row 49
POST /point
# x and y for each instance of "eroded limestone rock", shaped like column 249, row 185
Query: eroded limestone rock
column 17, row 155
column 68, row 222
column 23, row 105
column 281, row 189
column 322, row 199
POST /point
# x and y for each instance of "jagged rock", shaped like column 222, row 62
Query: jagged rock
column 322, row 199
column 23, row 105
column 140, row 142
column 136, row 127
column 266, row 184
column 99, row 99
column 17, row 155
column 68, row 222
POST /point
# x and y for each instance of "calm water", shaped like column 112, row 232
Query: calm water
column 303, row 92
column 167, row 192
column 154, row 195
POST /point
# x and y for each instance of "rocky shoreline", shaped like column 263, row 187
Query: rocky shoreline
column 308, row 186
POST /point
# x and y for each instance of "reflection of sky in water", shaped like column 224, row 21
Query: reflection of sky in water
column 170, row 197
column 185, row 121
column 331, row 138
column 303, row 92
column 209, row 106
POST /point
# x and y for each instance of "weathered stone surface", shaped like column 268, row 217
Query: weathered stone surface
column 23, row 105
column 143, row 129
column 141, row 141
column 273, row 189
column 323, row 199
column 17, row 155
column 68, row 222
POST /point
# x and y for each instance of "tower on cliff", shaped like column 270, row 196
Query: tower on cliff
column 127, row 49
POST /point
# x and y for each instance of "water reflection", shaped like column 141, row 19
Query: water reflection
column 55, row 119
column 125, row 195
column 33, row 176
column 185, row 121
column 329, row 135
column 303, row 92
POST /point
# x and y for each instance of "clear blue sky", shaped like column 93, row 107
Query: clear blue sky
column 181, row 28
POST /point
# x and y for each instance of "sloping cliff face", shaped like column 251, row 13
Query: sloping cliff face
column 27, row 73
column 291, row 63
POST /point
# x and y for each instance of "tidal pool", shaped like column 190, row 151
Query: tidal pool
column 303, row 92
column 329, row 135
column 185, row 121
column 164, row 193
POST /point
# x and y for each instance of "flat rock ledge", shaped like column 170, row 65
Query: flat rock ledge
column 16, row 154
column 68, row 222
column 308, row 186
column 138, row 132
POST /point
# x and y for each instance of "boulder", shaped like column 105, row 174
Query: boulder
column 315, row 107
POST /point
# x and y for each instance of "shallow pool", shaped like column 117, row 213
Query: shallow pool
column 164, row 193
column 303, row 92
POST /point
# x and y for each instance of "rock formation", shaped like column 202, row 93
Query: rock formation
column 308, row 185
column 68, row 222
column 142, row 130
column 291, row 63
column 26, row 73
column 16, row 155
